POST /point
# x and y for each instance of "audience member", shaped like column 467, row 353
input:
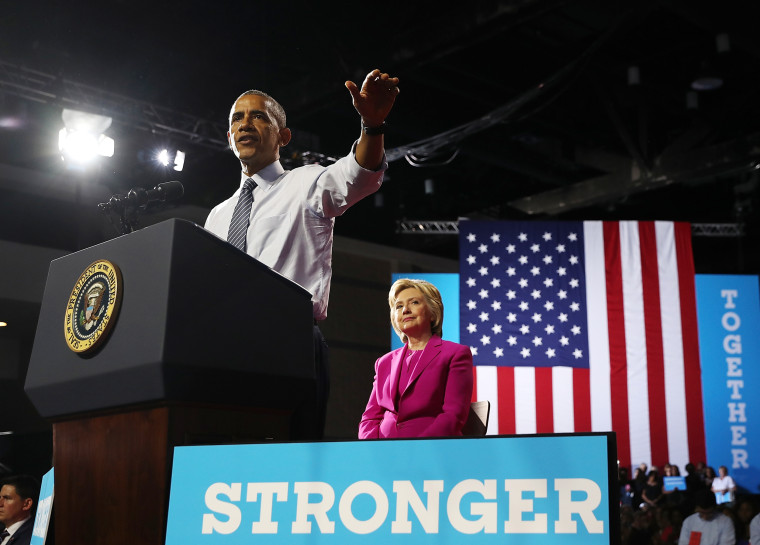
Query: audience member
column 745, row 510
column 694, row 480
column 724, row 486
column 642, row 528
column 18, row 499
column 625, row 487
column 707, row 526
column 652, row 493
column 754, row 530
column 667, row 533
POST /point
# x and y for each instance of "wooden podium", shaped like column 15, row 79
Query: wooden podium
column 208, row 346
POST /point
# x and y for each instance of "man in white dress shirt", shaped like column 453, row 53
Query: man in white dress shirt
column 293, row 212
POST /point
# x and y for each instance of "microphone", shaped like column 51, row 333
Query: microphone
column 140, row 198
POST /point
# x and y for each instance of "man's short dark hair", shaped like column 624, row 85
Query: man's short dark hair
column 26, row 486
column 278, row 112
column 705, row 499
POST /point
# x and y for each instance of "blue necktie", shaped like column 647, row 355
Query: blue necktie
column 241, row 217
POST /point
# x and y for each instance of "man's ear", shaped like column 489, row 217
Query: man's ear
column 229, row 141
column 27, row 506
column 285, row 136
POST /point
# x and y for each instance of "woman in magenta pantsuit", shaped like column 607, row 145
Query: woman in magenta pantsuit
column 423, row 389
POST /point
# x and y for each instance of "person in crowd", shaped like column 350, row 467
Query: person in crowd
column 707, row 526
column 423, row 389
column 669, row 522
column 724, row 486
column 674, row 497
column 625, row 487
column 744, row 511
column 643, row 528
column 694, row 480
column 639, row 483
column 18, row 500
column 652, row 493
column 709, row 476
column 754, row 530
column 285, row 218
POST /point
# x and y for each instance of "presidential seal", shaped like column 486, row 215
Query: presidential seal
column 93, row 306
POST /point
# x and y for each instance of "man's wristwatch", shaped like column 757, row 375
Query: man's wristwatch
column 373, row 131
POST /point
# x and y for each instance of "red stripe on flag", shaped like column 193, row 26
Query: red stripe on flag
column 582, row 400
column 474, row 384
column 506, row 387
column 650, row 278
column 689, row 332
column 544, row 397
column 616, row 331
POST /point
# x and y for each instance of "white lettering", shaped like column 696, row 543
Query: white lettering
column 265, row 524
column 733, row 344
column 212, row 524
column 381, row 507
column 737, row 433
column 406, row 496
column 318, row 510
column 731, row 321
column 519, row 505
column 472, row 505
column 487, row 510
column 736, row 412
column 729, row 296
column 740, row 458
column 584, row 508
column 733, row 367
column 734, row 386
column 43, row 517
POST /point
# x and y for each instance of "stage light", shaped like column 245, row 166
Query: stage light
column 179, row 161
column 3, row 324
column 82, row 139
column 165, row 158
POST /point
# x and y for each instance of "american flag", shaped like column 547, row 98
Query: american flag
column 586, row 326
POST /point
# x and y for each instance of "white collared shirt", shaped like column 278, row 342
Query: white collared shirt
column 12, row 529
column 292, row 218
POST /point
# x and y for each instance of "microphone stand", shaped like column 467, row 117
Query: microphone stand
column 134, row 203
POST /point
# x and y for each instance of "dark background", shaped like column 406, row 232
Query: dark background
column 508, row 110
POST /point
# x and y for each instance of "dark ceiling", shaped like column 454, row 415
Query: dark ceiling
column 514, row 109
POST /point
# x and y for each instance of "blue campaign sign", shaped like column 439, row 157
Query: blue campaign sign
column 415, row 491
column 448, row 286
column 728, row 311
column 44, row 508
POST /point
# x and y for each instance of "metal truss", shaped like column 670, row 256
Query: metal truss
column 426, row 227
column 717, row 229
column 48, row 89
column 423, row 227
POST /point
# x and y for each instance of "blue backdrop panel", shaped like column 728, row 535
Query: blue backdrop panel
column 728, row 309
column 537, row 489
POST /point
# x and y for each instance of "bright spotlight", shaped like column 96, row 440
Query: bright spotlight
column 163, row 157
column 82, row 139
column 179, row 161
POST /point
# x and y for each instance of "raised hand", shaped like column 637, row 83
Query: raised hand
column 375, row 98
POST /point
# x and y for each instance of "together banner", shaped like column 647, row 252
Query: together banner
column 430, row 491
column 728, row 308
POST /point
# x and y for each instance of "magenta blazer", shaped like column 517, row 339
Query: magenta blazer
column 435, row 403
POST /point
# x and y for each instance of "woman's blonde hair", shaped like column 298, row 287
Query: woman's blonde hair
column 432, row 299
